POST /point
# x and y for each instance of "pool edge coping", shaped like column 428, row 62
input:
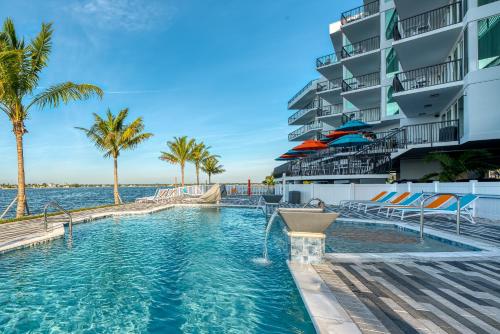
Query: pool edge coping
column 326, row 313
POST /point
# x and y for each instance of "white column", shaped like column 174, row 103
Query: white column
column 409, row 186
column 472, row 190
column 436, row 186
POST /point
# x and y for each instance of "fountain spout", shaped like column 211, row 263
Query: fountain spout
column 268, row 230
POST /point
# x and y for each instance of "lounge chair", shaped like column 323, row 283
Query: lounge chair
column 406, row 202
column 396, row 200
column 348, row 203
column 384, row 199
column 465, row 209
column 437, row 203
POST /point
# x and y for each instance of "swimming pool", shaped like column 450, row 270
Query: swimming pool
column 355, row 237
column 178, row 271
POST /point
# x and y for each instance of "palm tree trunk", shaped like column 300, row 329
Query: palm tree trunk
column 197, row 174
column 21, row 181
column 115, row 187
column 209, row 178
column 182, row 174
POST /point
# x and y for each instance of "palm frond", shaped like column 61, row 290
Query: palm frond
column 40, row 48
column 65, row 92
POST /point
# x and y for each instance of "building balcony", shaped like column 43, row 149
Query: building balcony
column 331, row 114
column 306, row 115
column 435, row 31
column 307, row 131
column 360, row 12
column 361, row 82
column 369, row 115
column 428, row 90
column 329, row 66
column 304, row 96
column 361, row 47
column 330, row 90
column 362, row 91
column 362, row 57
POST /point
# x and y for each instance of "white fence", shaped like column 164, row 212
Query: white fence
column 255, row 189
column 487, row 206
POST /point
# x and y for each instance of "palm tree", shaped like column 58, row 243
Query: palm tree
column 211, row 167
column 112, row 135
column 199, row 154
column 21, row 65
column 472, row 163
column 181, row 150
column 269, row 181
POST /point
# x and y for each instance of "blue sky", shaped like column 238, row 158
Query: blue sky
column 221, row 71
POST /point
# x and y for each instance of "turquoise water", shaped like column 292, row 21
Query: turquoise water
column 346, row 237
column 178, row 271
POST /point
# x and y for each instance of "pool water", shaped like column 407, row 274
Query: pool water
column 347, row 237
column 177, row 271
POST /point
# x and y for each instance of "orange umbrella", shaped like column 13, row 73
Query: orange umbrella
column 309, row 145
column 337, row 134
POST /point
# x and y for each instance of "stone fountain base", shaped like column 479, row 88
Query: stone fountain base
column 306, row 247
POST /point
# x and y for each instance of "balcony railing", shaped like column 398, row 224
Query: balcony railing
column 375, row 158
column 313, row 126
column 428, row 76
column 327, row 60
column 307, row 86
column 327, row 85
column 364, row 115
column 360, row 82
column 360, row 12
column 360, row 47
column 313, row 105
column 330, row 110
column 434, row 19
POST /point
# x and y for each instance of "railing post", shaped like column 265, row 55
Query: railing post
column 472, row 190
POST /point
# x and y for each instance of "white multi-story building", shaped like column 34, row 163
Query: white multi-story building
column 424, row 74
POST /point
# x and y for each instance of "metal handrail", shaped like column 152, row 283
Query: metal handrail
column 360, row 47
column 438, row 74
column 57, row 206
column 422, row 211
column 428, row 21
column 361, row 81
column 360, row 12
column 329, row 59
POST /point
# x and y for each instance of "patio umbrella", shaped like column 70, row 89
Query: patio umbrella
column 310, row 145
column 353, row 125
column 294, row 152
column 350, row 140
column 336, row 134
column 289, row 157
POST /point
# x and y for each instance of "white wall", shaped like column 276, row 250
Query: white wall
column 487, row 206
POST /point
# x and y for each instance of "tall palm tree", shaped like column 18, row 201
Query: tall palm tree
column 198, row 155
column 181, row 150
column 211, row 167
column 21, row 65
column 112, row 135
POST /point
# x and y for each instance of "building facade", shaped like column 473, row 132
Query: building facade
column 424, row 74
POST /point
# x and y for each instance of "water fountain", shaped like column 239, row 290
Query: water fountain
column 305, row 229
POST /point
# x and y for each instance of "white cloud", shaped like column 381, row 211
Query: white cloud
column 133, row 15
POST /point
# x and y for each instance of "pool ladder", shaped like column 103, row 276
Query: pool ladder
column 56, row 205
column 422, row 211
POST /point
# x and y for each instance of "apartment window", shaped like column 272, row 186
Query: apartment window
column 391, row 62
column 484, row 2
column 392, row 108
column 489, row 42
column 390, row 20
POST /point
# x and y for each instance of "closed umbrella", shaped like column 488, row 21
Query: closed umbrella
column 336, row 134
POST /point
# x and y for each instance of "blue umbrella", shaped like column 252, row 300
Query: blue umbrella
column 353, row 125
column 294, row 152
column 350, row 140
